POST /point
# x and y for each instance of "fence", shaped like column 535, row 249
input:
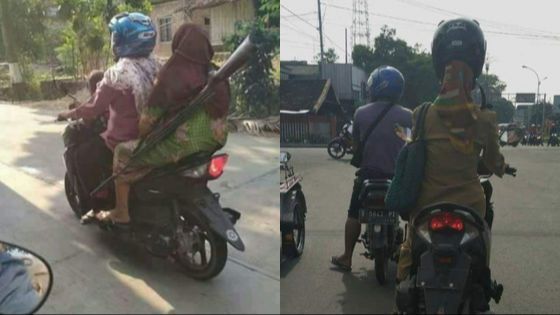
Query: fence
column 306, row 129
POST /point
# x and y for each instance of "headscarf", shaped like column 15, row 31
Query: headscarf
column 137, row 74
column 185, row 74
column 455, row 106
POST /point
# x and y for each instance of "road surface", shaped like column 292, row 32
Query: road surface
column 525, row 239
column 96, row 272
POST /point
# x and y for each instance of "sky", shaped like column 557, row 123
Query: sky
column 517, row 33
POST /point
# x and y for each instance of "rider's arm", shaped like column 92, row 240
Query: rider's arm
column 98, row 105
column 355, row 133
column 493, row 159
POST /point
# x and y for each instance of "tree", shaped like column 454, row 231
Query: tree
column 421, row 84
column 329, row 56
column 254, row 88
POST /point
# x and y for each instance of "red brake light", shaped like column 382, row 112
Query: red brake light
column 216, row 166
column 446, row 220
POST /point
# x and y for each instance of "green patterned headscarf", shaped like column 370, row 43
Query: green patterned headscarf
column 455, row 106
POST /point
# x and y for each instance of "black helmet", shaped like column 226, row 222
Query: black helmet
column 459, row 39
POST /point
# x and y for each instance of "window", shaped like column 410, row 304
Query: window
column 206, row 21
column 165, row 29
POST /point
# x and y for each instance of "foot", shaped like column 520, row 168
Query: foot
column 113, row 216
column 342, row 263
column 88, row 217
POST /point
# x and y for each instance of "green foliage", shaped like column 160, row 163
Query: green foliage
column 416, row 66
column 269, row 12
column 84, row 40
column 254, row 91
column 329, row 56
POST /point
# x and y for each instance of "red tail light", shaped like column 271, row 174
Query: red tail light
column 446, row 220
column 217, row 165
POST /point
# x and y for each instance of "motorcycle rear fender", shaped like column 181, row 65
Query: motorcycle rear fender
column 205, row 205
column 379, row 239
column 443, row 289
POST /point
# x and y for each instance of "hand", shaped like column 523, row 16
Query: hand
column 63, row 116
column 144, row 126
column 511, row 171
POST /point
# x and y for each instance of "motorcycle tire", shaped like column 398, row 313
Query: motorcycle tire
column 381, row 266
column 218, row 252
column 294, row 240
column 72, row 196
column 336, row 149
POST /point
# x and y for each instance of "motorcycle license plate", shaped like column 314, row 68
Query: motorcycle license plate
column 378, row 216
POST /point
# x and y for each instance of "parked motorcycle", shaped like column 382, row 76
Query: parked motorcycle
column 383, row 235
column 26, row 280
column 450, row 260
column 341, row 144
column 553, row 140
column 293, row 210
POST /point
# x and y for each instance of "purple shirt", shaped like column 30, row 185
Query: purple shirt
column 383, row 145
column 123, row 117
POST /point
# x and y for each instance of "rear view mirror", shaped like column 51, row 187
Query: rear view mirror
column 25, row 280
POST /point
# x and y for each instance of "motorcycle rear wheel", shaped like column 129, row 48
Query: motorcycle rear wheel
column 381, row 266
column 336, row 149
column 205, row 242
column 294, row 240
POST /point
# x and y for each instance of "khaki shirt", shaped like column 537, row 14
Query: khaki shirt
column 450, row 175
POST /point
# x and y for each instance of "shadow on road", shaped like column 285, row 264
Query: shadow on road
column 354, row 301
column 287, row 265
column 24, row 224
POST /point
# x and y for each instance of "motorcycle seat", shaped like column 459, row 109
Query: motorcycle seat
column 374, row 190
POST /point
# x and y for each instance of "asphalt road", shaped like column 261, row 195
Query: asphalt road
column 96, row 272
column 525, row 240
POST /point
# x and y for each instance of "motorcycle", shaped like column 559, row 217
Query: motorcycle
column 293, row 210
column 173, row 212
column 553, row 140
column 26, row 280
column 341, row 144
column 383, row 235
column 450, row 261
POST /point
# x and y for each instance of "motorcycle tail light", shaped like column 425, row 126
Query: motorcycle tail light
column 217, row 165
column 446, row 220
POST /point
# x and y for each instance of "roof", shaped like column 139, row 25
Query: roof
column 301, row 95
column 299, row 69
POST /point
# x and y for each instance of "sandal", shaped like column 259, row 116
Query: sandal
column 88, row 218
column 106, row 222
column 339, row 265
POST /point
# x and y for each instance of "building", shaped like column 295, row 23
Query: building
column 218, row 17
column 309, row 111
column 348, row 81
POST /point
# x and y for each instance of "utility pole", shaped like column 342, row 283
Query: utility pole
column 346, row 45
column 320, row 37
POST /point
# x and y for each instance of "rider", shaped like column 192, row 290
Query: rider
column 456, row 129
column 126, row 85
column 385, row 87
column 205, row 131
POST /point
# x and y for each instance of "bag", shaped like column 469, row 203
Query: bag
column 357, row 157
column 405, row 187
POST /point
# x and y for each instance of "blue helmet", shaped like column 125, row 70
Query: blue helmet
column 132, row 35
column 385, row 83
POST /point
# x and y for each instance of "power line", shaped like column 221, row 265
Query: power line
column 296, row 15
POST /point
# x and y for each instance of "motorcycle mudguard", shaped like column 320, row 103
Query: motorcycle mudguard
column 443, row 289
column 379, row 239
column 205, row 205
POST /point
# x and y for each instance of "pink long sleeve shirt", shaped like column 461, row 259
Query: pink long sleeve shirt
column 122, row 125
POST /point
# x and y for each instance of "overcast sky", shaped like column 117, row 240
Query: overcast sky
column 517, row 32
